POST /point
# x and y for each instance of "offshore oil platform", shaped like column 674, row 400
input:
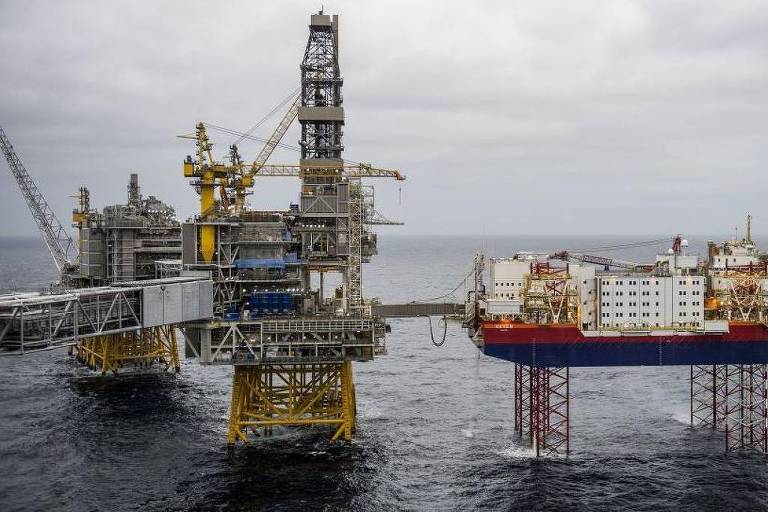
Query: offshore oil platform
column 549, row 312
column 237, row 283
column 246, row 288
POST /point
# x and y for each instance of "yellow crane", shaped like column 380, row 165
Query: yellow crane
column 237, row 177
column 209, row 174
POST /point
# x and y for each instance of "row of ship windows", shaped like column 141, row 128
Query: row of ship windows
column 647, row 324
column 621, row 315
column 647, row 293
column 647, row 283
column 647, row 315
column 620, row 304
column 508, row 284
column 632, row 294
column 646, row 304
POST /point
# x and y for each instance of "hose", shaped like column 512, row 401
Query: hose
column 432, row 334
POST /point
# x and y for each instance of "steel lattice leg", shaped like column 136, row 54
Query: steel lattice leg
column 523, row 398
column 745, row 407
column 706, row 396
column 732, row 399
column 542, row 408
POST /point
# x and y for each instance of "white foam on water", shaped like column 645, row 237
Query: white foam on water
column 518, row 452
column 683, row 417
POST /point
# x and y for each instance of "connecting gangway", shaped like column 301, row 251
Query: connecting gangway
column 38, row 321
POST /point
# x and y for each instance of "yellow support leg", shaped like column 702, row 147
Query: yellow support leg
column 234, row 432
column 144, row 348
column 264, row 396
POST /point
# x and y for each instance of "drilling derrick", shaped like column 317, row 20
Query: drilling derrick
column 330, row 223
column 291, row 343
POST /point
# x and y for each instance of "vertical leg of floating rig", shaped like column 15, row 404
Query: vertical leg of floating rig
column 746, row 412
column 707, row 396
column 542, row 408
column 523, row 399
column 266, row 395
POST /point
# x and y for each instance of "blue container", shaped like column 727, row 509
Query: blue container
column 271, row 303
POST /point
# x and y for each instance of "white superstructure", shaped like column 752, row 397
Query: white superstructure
column 644, row 300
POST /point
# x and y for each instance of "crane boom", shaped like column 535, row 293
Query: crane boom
column 601, row 260
column 276, row 136
column 56, row 237
column 347, row 170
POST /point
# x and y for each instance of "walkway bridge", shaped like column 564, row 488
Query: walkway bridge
column 107, row 328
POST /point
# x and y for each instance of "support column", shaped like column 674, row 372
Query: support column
column 746, row 415
column 732, row 399
column 542, row 408
column 523, row 402
column 707, row 387
column 266, row 395
column 155, row 346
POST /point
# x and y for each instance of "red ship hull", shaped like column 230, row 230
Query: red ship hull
column 567, row 345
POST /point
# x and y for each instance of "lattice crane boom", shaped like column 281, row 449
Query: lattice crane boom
column 276, row 136
column 56, row 237
column 347, row 170
column 600, row 260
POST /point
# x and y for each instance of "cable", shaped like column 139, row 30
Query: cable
column 245, row 136
column 282, row 103
column 447, row 294
column 432, row 334
column 249, row 137
column 618, row 247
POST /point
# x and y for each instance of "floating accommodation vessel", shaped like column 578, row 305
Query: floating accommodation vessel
column 549, row 312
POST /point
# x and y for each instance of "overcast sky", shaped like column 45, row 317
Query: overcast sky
column 508, row 117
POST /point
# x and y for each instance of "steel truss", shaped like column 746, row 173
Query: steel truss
column 548, row 297
column 354, row 272
column 542, row 408
column 291, row 341
column 321, row 87
column 705, row 396
column 135, row 349
column 732, row 399
column 62, row 248
column 33, row 321
column 264, row 396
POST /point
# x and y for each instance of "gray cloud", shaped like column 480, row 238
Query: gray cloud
column 508, row 117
